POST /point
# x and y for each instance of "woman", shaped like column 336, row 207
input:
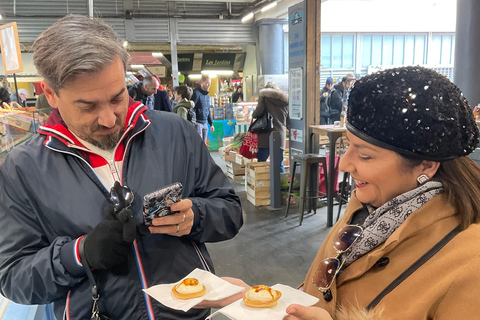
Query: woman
column 410, row 131
column 274, row 101
column 184, row 106
column 4, row 97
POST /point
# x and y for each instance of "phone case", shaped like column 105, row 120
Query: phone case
column 157, row 204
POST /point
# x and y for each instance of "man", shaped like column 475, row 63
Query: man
column 23, row 94
column 54, row 188
column 237, row 96
column 201, row 99
column 338, row 97
column 143, row 91
column 324, row 112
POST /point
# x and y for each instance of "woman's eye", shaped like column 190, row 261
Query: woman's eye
column 364, row 158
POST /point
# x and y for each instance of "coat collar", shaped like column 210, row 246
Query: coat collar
column 274, row 94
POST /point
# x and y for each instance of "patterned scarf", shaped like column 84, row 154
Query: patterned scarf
column 383, row 221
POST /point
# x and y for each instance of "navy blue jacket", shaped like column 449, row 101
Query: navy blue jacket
column 202, row 106
column 50, row 196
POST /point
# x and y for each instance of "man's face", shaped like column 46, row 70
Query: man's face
column 94, row 107
column 240, row 90
column 151, row 88
column 349, row 84
column 205, row 84
column 329, row 86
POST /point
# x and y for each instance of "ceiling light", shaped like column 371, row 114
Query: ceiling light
column 247, row 17
column 195, row 76
column 129, row 73
column 125, row 44
column 1, row 17
column 137, row 66
column 218, row 72
column 157, row 54
column 269, row 6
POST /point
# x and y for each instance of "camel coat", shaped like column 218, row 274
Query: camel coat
column 446, row 287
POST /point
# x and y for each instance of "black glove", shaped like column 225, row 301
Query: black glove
column 109, row 244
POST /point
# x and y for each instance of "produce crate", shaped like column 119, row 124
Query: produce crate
column 257, row 184
column 235, row 171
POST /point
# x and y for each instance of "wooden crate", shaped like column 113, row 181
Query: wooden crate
column 234, row 168
column 257, row 200
column 235, row 177
column 257, row 171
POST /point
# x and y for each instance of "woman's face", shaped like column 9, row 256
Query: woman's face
column 379, row 174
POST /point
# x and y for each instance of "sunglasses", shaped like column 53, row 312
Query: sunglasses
column 328, row 269
column 121, row 197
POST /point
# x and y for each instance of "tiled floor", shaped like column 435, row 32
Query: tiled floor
column 269, row 248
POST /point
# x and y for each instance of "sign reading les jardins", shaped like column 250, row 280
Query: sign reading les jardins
column 218, row 61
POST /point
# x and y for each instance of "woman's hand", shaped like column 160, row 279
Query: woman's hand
column 299, row 312
column 178, row 224
column 228, row 300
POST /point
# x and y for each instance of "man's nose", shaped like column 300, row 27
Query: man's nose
column 107, row 118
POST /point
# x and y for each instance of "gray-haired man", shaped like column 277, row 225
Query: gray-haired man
column 54, row 188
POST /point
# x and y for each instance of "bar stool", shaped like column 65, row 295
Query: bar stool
column 305, row 161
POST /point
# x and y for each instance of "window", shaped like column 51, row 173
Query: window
column 348, row 52
column 338, row 51
column 366, row 51
column 419, row 55
column 442, row 49
column 377, row 44
column 398, row 49
column 326, row 51
column 387, row 50
column 337, row 48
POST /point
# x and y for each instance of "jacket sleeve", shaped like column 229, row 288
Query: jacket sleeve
column 31, row 271
column 209, row 118
column 218, row 211
column 337, row 101
column 260, row 109
column 182, row 112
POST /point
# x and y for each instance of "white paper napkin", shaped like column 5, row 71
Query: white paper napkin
column 216, row 289
column 239, row 311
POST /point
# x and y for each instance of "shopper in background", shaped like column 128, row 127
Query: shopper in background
column 274, row 101
column 62, row 222
column 201, row 98
column 4, row 97
column 42, row 104
column 337, row 97
column 184, row 106
column 23, row 94
column 143, row 91
column 324, row 112
column 237, row 96
column 414, row 186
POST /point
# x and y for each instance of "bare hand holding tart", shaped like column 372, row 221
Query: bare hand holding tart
column 261, row 296
column 188, row 289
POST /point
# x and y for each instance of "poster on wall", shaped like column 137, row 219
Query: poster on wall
column 11, row 54
column 295, row 94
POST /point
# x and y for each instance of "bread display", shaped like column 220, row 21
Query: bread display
column 188, row 289
column 261, row 296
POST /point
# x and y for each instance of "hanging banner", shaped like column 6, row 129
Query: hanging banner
column 218, row 61
column 10, row 45
column 184, row 60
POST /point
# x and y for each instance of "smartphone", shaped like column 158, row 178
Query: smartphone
column 157, row 204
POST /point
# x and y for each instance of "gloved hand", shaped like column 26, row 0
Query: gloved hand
column 109, row 244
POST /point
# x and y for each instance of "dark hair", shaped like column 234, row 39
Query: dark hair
column 461, row 184
column 182, row 91
column 4, row 96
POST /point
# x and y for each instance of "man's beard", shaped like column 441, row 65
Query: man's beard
column 107, row 142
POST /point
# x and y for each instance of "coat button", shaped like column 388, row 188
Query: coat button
column 382, row 262
column 327, row 296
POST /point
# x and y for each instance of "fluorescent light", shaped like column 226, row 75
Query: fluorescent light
column 211, row 75
column 157, row 54
column 129, row 73
column 137, row 66
column 125, row 44
column 269, row 6
column 195, row 76
column 218, row 72
column 247, row 17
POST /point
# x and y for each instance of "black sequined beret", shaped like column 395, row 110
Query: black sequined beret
column 414, row 111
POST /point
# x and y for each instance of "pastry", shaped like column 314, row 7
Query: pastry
column 261, row 296
column 188, row 289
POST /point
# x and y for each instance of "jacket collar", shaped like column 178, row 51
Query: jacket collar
column 58, row 134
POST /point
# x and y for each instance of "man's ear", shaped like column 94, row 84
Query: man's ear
column 49, row 94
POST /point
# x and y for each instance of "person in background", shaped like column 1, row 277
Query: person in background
column 237, row 96
column 139, row 77
column 87, row 214
column 4, row 97
column 143, row 91
column 159, row 83
column 338, row 97
column 23, row 94
column 201, row 98
column 184, row 106
column 162, row 98
column 324, row 112
column 274, row 101
column 42, row 104
column 415, row 188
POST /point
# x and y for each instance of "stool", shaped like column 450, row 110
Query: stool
column 305, row 161
column 344, row 192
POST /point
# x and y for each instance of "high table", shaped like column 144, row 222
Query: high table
column 333, row 133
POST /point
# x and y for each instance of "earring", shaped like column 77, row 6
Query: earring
column 421, row 179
